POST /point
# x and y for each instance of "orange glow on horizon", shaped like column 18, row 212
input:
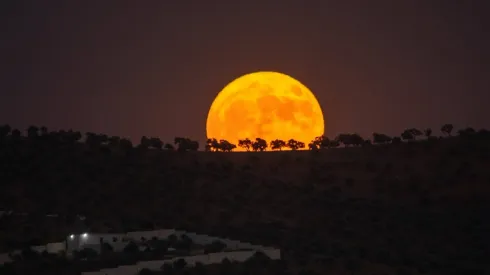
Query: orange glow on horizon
column 268, row 105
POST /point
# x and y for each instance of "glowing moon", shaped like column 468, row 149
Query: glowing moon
column 268, row 105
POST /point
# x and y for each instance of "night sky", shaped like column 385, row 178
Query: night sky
column 133, row 68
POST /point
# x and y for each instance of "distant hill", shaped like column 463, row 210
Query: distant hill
column 418, row 206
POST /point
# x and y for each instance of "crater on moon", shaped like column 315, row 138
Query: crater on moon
column 296, row 90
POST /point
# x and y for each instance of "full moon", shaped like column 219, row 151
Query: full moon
column 267, row 105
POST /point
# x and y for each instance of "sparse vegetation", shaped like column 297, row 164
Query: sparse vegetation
column 394, row 207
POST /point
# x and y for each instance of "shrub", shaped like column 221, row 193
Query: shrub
column 131, row 248
column 106, row 247
column 180, row 264
column 85, row 253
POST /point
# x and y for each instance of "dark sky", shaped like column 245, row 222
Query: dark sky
column 133, row 68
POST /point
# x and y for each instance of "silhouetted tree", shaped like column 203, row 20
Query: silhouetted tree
column 114, row 141
column 103, row 139
column 411, row 134
column 145, row 142
column 313, row 146
column 32, row 132
column 125, row 144
column 246, row 144
column 415, row 132
column 319, row 142
column 226, row 146
column 356, row 140
column 259, row 145
column 16, row 134
column 447, row 129
column 295, row 145
column 44, row 131
column 192, row 145
column 343, row 139
column 211, row 145
column 92, row 139
column 156, row 143
column 186, row 144
column 428, row 133
column 407, row 135
column 381, row 138
column 396, row 140
column 323, row 142
column 333, row 144
column 350, row 139
column 169, row 147
column 4, row 131
column 466, row 132
column 278, row 144
column 72, row 137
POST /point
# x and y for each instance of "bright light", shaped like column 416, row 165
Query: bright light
column 267, row 105
column 85, row 235
column 72, row 237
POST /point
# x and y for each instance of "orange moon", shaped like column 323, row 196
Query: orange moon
column 268, row 105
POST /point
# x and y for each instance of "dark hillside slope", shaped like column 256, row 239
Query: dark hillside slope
column 421, row 205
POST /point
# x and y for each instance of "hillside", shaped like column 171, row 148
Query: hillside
column 418, row 207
